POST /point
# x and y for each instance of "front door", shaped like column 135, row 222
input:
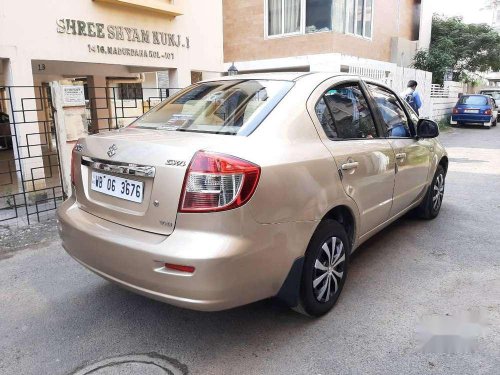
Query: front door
column 413, row 156
column 365, row 161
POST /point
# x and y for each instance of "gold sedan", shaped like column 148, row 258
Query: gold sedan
column 249, row 187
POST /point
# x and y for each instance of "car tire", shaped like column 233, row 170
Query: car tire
column 433, row 200
column 325, row 269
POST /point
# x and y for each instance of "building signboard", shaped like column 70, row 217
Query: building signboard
column 73, row 96
column 141, row 39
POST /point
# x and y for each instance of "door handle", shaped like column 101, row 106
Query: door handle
column 350, row 165
column 401, row 156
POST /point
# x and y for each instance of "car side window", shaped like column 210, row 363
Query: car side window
column 394, row 119
column 344, row 113
column 413, row 116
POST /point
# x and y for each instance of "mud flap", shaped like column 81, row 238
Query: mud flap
column 290, row 290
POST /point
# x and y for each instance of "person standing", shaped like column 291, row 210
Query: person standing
column 412, row 97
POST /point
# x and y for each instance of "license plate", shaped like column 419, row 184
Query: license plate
column 471, row 111
column 118, row 187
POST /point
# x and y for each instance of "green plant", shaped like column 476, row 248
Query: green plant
column 444, row 124
column 463, row 48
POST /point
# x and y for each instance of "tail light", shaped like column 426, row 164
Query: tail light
column 73, row 166
column 179, row 267
column 217, row 182
column 487, row 112
column 455, row 110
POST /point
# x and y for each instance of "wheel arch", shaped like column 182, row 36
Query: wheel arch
column 344, row 215
column 444, row 163
column 289, row 291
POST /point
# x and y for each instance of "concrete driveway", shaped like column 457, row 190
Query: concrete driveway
column 415, row 282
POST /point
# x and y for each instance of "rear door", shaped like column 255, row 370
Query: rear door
column 364, row 160
column 413, row 156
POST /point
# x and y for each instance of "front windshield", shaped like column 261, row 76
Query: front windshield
column 221, row 107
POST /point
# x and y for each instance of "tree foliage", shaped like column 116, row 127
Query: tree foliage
column 464, row 48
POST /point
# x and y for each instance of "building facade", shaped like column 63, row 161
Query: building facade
column 42, row 41
column 309, row 34
column 493, row 7
column 90, row 65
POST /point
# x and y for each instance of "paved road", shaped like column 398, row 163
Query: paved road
column 57, row 318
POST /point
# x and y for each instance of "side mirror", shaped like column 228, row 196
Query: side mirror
column 427, row 129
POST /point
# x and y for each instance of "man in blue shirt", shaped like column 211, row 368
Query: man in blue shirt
column 412, row 97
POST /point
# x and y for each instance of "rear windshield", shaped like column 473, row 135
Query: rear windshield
column 473, row 100
column 494, row 94
column 233, row 107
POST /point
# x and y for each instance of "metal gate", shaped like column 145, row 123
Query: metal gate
column 111, row 108
column 31, row 185
column 30, row 173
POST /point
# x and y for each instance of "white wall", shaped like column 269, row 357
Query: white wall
column 426, row 12
column 444, row 98
column 28, row 31
column 441, row 107
column 395, row 76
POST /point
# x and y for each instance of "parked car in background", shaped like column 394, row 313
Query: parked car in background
column 248, row 187
column 475, row 109
column 494, row 93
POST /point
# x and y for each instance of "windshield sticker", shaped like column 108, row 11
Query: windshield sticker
column 177, row 120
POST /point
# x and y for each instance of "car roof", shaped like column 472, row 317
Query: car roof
column 282, row 76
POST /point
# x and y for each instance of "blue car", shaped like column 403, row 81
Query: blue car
column 475, row 109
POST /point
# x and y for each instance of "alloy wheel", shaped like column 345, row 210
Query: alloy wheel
column 328, row 269
column 438, row 192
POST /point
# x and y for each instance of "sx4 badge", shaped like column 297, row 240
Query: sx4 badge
column 176, row 163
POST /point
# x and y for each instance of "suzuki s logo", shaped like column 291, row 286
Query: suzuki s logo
column 176, row 163
column 112, row 150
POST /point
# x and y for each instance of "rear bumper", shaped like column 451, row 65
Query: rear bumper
column 470, row 119
column 230, row 269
